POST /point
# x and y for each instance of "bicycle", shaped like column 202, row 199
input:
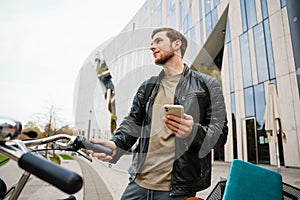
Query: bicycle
column 22, row 152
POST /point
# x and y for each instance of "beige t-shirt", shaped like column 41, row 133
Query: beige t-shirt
column 157, row 169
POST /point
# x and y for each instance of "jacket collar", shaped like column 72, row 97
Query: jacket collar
column 185, row 72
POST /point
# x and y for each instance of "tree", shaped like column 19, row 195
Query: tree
column 49, row 122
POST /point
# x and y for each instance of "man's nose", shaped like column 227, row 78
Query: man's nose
column 152, row 47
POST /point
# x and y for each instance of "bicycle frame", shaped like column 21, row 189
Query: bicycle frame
column 14, row 149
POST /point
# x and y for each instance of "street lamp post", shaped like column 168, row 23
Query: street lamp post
column 89, row 125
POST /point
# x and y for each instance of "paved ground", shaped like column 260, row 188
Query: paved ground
column 36, row 189
column 105, row 183
column 94, row 187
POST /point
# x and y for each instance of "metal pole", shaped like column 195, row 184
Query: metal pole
column 89, row 126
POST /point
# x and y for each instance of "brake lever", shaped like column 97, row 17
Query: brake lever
column 82, row 142
column 86, row 156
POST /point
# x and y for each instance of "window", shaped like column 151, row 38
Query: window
column 269, row 49
column 227, row 34
column 245, row 58
column 216, row 3
column 200, row 9
column 201, row 32
column 283, row 3
column 251, row 13
column 187, row 22
column 230, row 66
column 264, row 9
column 208, row 24
column 260, row 104
column 233, row 118
column 193, row 34
column 214, row 17
column 249, row 102
column 248, row 11
column 181, row 13
column 260, row 52
column 207, row 6
column 244, row 17
column 159, row 14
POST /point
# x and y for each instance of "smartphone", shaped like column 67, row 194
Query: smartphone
column 171, row 109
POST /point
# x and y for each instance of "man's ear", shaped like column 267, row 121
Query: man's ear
column 177, row 44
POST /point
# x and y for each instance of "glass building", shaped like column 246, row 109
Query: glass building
column 250, row 46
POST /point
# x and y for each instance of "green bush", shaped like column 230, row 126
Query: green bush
column 66, row 157
column 3, row 160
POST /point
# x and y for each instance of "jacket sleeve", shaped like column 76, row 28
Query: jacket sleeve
column 214, row 132
column 130, row 128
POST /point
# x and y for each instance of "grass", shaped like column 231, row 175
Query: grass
column 3, row 160
column 55, row 159
column 66, row 157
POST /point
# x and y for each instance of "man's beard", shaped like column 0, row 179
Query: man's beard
column 165, row 56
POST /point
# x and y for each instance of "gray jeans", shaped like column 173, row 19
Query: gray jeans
column 136, row 192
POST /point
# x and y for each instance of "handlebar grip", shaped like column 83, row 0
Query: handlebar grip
column 96, row 147
column 65, row 180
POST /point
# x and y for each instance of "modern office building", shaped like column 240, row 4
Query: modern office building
column 250, row 46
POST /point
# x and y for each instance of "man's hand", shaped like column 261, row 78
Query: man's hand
column 102, row 156
column 181, row 127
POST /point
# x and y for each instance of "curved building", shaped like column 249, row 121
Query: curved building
column 250, row 46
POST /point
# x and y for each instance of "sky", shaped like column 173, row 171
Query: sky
column 43, row 44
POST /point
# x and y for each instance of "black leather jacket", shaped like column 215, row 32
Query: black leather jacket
column 202, row 97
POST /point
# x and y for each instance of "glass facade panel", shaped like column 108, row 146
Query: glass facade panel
column 269, row 49
column 181, row 13
column 251, row 13
column 246, row 62
column 159, row 14
column 249, row 102
column 260, row 52
column 216, row 3
column 227, row 34
column 264, row 9
column 244, row 16
column 187, row 22
column 230, row 66
column 233, row 118
column 208, row 24
column 214, row 16
column 260, row 104
column 248, row 12
column 200, row 9
column 201, row 32
column 207, row 6
column 283, row 3
column 193, row 33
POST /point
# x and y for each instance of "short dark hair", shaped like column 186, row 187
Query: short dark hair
column 173, row 35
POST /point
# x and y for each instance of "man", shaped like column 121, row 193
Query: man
column 172, row 159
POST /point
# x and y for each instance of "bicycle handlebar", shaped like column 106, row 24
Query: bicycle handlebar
column 95, row 147
column 66, row 180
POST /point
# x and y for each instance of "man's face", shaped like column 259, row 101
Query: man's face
column 162, row 48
